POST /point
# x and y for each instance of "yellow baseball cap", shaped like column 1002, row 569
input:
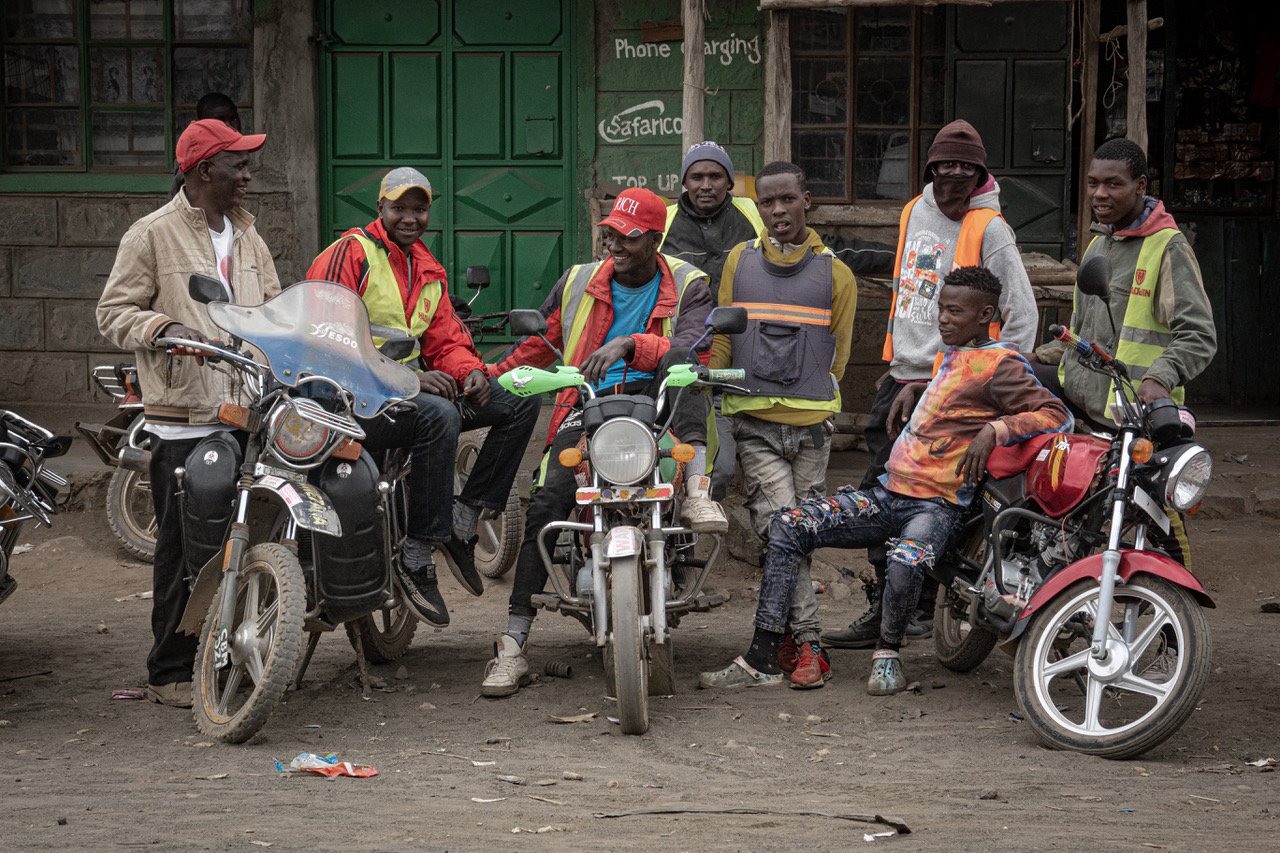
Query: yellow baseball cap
column 400, row 180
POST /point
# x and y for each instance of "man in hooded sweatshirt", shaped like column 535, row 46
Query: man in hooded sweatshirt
column 955, row 222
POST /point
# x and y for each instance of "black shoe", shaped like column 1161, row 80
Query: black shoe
column 863, row 632
column 461, row 557
column 422, row 594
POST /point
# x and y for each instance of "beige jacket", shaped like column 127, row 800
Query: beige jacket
column 147, row 290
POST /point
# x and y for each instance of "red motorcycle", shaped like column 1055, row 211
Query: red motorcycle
column 1062, row 561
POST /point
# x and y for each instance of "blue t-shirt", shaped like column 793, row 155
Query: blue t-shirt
column 631, row 309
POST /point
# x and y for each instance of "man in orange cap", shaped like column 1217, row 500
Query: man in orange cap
column 202, row 229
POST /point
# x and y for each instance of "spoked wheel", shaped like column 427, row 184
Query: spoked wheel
column 265, row 639
column 384, row 634
column 960, row 642
column 130, row 512
column 1157, row 664
column 499, row 542
column 626, row 646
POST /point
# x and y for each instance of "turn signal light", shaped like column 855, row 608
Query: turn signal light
column 233, row 415
column 348, row 449
column 571, row 457
column 1142, row 451
column 682, row 453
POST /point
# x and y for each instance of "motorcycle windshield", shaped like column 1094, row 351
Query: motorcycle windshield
column 318, row 328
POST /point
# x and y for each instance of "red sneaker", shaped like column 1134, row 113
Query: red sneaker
column 812, row 667
column 788, row 654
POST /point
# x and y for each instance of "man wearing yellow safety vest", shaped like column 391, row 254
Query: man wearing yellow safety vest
column 619, row 320
column 800, row 302
column 405, row 288
column 1158, row 302
column 702, row 226
column 954, row 222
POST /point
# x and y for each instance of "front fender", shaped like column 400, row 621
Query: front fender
column 1132, row 562
column 309, row 507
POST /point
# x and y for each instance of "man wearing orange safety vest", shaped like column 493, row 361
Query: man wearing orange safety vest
column 954, row 222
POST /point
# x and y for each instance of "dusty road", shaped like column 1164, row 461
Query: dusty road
column 85, row 772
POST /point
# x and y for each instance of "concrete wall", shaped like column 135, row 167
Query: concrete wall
column 56, row 250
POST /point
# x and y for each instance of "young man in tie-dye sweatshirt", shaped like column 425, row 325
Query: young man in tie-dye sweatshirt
column 983, row 394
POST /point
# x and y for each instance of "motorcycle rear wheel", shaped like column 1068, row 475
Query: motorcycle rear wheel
column 266, row 643
column 626, row 646
column 131, row 513
column 499, row 542
column 385, row 634
column 960, row 643
column 1159, row 667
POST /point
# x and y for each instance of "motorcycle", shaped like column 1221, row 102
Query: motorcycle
column 123, row 444
column 301, row 529
column 630, row 570
column 28, row 489
column 1110, row 641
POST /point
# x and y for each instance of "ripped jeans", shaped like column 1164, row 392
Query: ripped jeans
column 915, row 530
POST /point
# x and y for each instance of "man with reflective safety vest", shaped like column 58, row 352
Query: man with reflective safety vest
column 405, row 288
column 954, row 222
column 620, row 320
column 704, row 224
column 800, row 302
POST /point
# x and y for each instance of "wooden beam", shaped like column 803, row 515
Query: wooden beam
column 783, row 5
column 777, row 89
column 1089, row 117
column 1136, row 115
column 695, row 72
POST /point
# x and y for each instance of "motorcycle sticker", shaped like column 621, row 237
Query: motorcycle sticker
column 211, row 457
column 344, row 470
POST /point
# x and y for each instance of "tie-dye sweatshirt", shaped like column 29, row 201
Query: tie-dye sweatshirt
column 974, row 386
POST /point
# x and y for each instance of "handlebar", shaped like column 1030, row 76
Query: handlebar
column 214, row 349
column 1080, row 345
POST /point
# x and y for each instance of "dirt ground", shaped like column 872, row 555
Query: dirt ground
column 87, row 772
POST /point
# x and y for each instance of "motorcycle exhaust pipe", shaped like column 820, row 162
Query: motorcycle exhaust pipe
column 135, row 459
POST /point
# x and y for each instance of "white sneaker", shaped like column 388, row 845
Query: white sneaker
column 698, row 511
column 509, row 669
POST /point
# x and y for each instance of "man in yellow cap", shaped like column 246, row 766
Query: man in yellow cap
column 405, row 288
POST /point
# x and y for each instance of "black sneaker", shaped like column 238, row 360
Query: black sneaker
column 422, row 594
column 863, row 632
column 461, row 557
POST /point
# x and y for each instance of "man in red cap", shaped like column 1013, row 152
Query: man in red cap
column 616, row 320
column 202, row 229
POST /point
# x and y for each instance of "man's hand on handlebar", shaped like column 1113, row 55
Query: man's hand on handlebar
column 439, row 383
column 598, row 363
column 476, row 389
column 1150, row 390
column 177, row 330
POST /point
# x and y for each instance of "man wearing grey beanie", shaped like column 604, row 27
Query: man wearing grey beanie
column 702, row 226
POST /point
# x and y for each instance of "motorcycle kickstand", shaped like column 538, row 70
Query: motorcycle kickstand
column 312, row 641
column 366, row 686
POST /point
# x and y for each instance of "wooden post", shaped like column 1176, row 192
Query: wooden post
column 1136, row 115
column 1089, row 117
column 777, row 89
column 695, row 72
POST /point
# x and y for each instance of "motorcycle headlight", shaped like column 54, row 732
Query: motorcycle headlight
column 296, row 438
column 1186, row 478
column 623, row 451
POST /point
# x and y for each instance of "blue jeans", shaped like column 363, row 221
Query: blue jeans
column 915, row 531
column 431, row 430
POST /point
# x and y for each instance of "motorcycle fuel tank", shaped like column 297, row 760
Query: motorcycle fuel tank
column 1063, row 471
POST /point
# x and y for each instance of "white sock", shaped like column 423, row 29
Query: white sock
column 697, row 467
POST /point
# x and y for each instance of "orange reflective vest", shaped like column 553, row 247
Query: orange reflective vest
column 968, row 253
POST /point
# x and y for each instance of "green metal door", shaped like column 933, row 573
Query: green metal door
column 474, row 94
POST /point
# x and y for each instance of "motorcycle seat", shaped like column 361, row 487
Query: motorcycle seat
column 1016, row 458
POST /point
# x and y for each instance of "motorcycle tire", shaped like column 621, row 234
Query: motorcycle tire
column 959, row 642
column 131, row 514
column 626, row 648
column 384, row 634
column 1165, row 665
column 499, row 542
column 273, row 596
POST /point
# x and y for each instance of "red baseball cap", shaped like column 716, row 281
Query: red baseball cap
column 636, row 211
column 208, row 136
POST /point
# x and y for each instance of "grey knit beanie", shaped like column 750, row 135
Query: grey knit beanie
column 707, row 151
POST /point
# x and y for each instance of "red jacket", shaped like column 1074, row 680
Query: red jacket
column 446, row 344
column 650, row 346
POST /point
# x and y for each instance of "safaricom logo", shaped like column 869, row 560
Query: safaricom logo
column 628, row 125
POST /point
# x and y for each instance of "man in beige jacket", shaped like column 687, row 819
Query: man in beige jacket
column 202, row 229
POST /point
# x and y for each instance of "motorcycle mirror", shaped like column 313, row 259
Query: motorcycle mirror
column 205, row 289
column 56, row 446
column 478, row 277
column 397, row 344
column 728, row 319
column 1094, row 277
column 526, row 321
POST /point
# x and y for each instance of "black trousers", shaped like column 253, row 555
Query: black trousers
column 172, row 655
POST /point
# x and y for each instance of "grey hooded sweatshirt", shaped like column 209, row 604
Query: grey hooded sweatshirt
column 926, row 259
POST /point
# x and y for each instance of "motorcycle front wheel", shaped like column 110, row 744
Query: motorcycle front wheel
column 131, row 513
column 265, row 639
column 1159, row 655
column 385, row 634
column 625, row 648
